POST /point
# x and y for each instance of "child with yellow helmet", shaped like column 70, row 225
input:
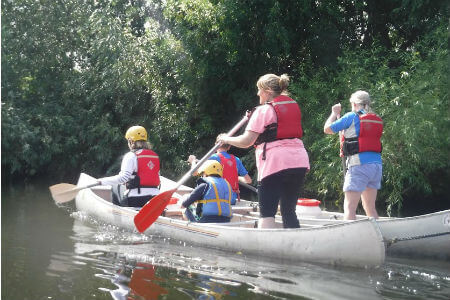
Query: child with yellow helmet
column 233, row 169
column 212, row 195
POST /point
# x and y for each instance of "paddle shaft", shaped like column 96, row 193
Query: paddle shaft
column 208, row 155
column 343, row 158
column 250, row 187
column 86, row 186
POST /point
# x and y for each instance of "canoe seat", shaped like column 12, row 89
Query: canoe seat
column 103, row 191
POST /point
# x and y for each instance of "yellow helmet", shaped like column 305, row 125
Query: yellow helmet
column 211, row 167
column 136, row 133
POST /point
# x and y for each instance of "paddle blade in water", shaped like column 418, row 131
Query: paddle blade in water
column 152, row 210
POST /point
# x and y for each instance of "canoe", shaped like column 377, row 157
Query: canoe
column 357, row 243
column 425, row 235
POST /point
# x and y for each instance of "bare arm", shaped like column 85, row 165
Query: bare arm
column 330, row 120
column 244, row 140
column 246, row 179
column 335, row 111
column 193, row 161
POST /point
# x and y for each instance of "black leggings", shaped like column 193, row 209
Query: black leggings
column 283, row 187
column 138, row 201
column 120, row 199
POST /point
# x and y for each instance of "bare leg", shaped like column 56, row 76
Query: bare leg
column 350, row 204
column 266, row 222
column 368, row 198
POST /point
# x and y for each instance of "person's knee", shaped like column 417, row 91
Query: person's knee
column 353, row 197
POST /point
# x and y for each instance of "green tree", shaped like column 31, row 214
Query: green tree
column 77, row 74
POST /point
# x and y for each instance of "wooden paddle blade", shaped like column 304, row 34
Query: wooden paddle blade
column 152, row 210
column 63, row 192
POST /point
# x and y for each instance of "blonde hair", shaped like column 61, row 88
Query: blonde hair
column 136, row 145
column 362, row 98
column 271, row 82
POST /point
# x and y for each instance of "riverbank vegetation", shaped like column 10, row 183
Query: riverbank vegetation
column 76, row 74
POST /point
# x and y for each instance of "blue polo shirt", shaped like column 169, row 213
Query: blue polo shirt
column 350, row 124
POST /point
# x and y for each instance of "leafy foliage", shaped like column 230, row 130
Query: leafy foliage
column 415, row 146
column 77, row 74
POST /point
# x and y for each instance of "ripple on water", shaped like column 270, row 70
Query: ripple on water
column 179, row 270
column 415, row 282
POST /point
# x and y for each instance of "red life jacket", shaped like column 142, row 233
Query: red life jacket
column 369, row 139
column 289, row 121
column 230, row 172
column 148, row 168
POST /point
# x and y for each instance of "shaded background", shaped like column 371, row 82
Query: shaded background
column 76, row 74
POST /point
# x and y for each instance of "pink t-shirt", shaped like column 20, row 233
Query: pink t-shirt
column 280, row 154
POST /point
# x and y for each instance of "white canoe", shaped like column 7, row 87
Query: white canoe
column 425, row 236
column 419, row 236
column 357, row 243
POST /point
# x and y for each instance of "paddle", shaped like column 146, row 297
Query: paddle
column 65, row 192
column 154, row 208
column 250, row 187
column 343, row 158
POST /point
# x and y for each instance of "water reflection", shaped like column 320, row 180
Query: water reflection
column 46, row 254
column 133, row 270
column 175, row 268
column 133, row 266
column 142, row 283
column 134, row 282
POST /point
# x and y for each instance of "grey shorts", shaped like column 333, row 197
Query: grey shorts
column 358, row 178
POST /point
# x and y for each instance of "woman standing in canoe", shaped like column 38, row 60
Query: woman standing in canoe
column 282, row 161
column 361, row 145
column 139, row 171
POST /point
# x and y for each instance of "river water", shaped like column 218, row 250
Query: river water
column 51, row 252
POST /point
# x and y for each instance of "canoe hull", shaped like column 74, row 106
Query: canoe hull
column 425, row 236
column 421, row 236
column 357, row 243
